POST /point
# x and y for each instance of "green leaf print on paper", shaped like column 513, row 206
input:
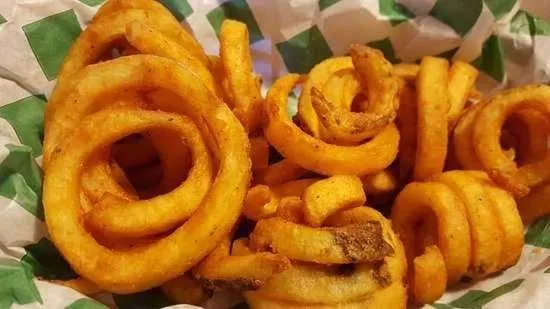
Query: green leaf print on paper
column 304, row 50
column 499, row 8
column 16, row 286
column 540, row 26
column 50, row 39
column 46, row 262
column 459, row 15
column 92, row 2
column 521, row 23
column 86, row 303
column 476, row 299
column 150, row 299
column 469, row 300
column 538, row 233
column 21, row 180
column 26, row 116
column 526, row 23
column 491, row 60
column 2, row 19
column 179, row 8
column 238, row 10
column 394, row 11
column 323, row 4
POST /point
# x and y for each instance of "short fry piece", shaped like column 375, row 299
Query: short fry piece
column 331, row 195
column 291, row 208
column 219, row 270
column 379, row 183
column 260, row 203
column 430, row 279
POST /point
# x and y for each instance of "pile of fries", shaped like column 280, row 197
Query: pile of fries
column 165, row 167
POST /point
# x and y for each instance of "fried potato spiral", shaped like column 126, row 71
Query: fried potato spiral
column 161, row 90
column 317, row 155
column 478, row 145
column 476, row 226
column 65, row 224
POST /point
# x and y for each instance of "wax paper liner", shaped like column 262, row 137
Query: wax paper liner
column 508, row 40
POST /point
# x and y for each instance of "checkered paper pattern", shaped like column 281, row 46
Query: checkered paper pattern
column 508, row 40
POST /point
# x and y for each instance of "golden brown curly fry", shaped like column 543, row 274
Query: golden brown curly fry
column 349, row 244
column 220, row 270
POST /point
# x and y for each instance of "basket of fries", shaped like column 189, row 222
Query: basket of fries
column 274, row 154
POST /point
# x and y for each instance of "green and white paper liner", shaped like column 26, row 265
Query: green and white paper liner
column 508, row 40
